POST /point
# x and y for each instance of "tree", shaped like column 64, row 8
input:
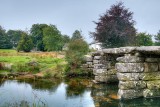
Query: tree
column 116, row 27
column 37, row 35
column 77, row 48
column 77, row 35
column 66, row 39
column 25, row 44
column 52, row 39
column 143, row 39
column 4, row 40
column 14, row 36
column 157, row 38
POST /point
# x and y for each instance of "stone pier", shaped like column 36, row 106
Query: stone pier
column 137, row 69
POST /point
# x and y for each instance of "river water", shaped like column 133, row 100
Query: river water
column 65, row 93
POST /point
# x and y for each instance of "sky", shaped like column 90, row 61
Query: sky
column 69, row 15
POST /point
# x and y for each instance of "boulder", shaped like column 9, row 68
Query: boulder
column 153, row 84
column 88, row 58
column 128, row 59
column 106, row 79
column 97, row 61
column 126, row 85
column 150, row 67
column 129, row 76
column 121, row 50
column 129, row 67
column 138, row 76
column 130, row 94
column 151, row 93
column 97, row 57
column 152, row 60
column 149, row 49
column 99, row 72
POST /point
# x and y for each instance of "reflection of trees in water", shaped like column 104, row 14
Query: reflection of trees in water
column 76, row 87
column 2, row 81
column 42, row 84
column 105, row 95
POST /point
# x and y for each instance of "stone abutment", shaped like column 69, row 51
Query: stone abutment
column 137, row 69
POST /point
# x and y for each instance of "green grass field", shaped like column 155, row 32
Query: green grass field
column 48, row 63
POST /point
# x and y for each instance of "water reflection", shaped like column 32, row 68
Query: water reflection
column 68, row 93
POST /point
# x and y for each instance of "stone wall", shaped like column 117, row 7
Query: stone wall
column 103, row 67
column 139, row 76
column 136, row 68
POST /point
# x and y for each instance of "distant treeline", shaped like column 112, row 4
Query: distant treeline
column 41, row 37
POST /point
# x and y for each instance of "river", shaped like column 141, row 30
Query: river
column 65, row 93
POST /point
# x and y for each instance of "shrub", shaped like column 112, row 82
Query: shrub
column 74, row 55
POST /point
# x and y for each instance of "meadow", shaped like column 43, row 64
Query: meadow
column 44, row 64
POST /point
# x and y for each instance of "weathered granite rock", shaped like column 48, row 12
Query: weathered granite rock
column 101, row 72
column 150, row 67
column 150, row 76
column 129, row 67
column 88, row 58
column 98, row 66
column 121, row 50
column 131, row 59
column 153, row 84
column 96, row 61
column 129, row 76
column 152, row 60
column 85, row 65
column 126, row 85
column 111, row 72
column 151, row 93
column 97, row 57
column 138, row 76
column 106, row 79
column 149, row 49
column 130, row 94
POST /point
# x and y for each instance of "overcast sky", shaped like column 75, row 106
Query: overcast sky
column 69, row 15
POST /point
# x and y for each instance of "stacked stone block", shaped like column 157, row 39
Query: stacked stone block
column 103, row 70
column 138, row 76
column 88, row 63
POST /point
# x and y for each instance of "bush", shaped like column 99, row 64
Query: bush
column 74, row 55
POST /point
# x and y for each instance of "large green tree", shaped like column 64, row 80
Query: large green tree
column 157, row 38
column 25, row 44
column 143, row 39
column 4, row 40
column 14, row 36
column 37, row 36
column 52, row 39
column 115, row 27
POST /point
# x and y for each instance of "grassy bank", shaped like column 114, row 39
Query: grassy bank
column 45, row 64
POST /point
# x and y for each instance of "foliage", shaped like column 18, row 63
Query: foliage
column 52, row 39
column 157, row 38
column 66, row 39
column 37, row 35
column 116, row 27
column 77, row 48
column 15, row 36
column 77, row 35
column 143, row 39
column 25, row 44
column 4, row 40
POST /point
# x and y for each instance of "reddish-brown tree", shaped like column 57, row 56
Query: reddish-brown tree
column 116, row 27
